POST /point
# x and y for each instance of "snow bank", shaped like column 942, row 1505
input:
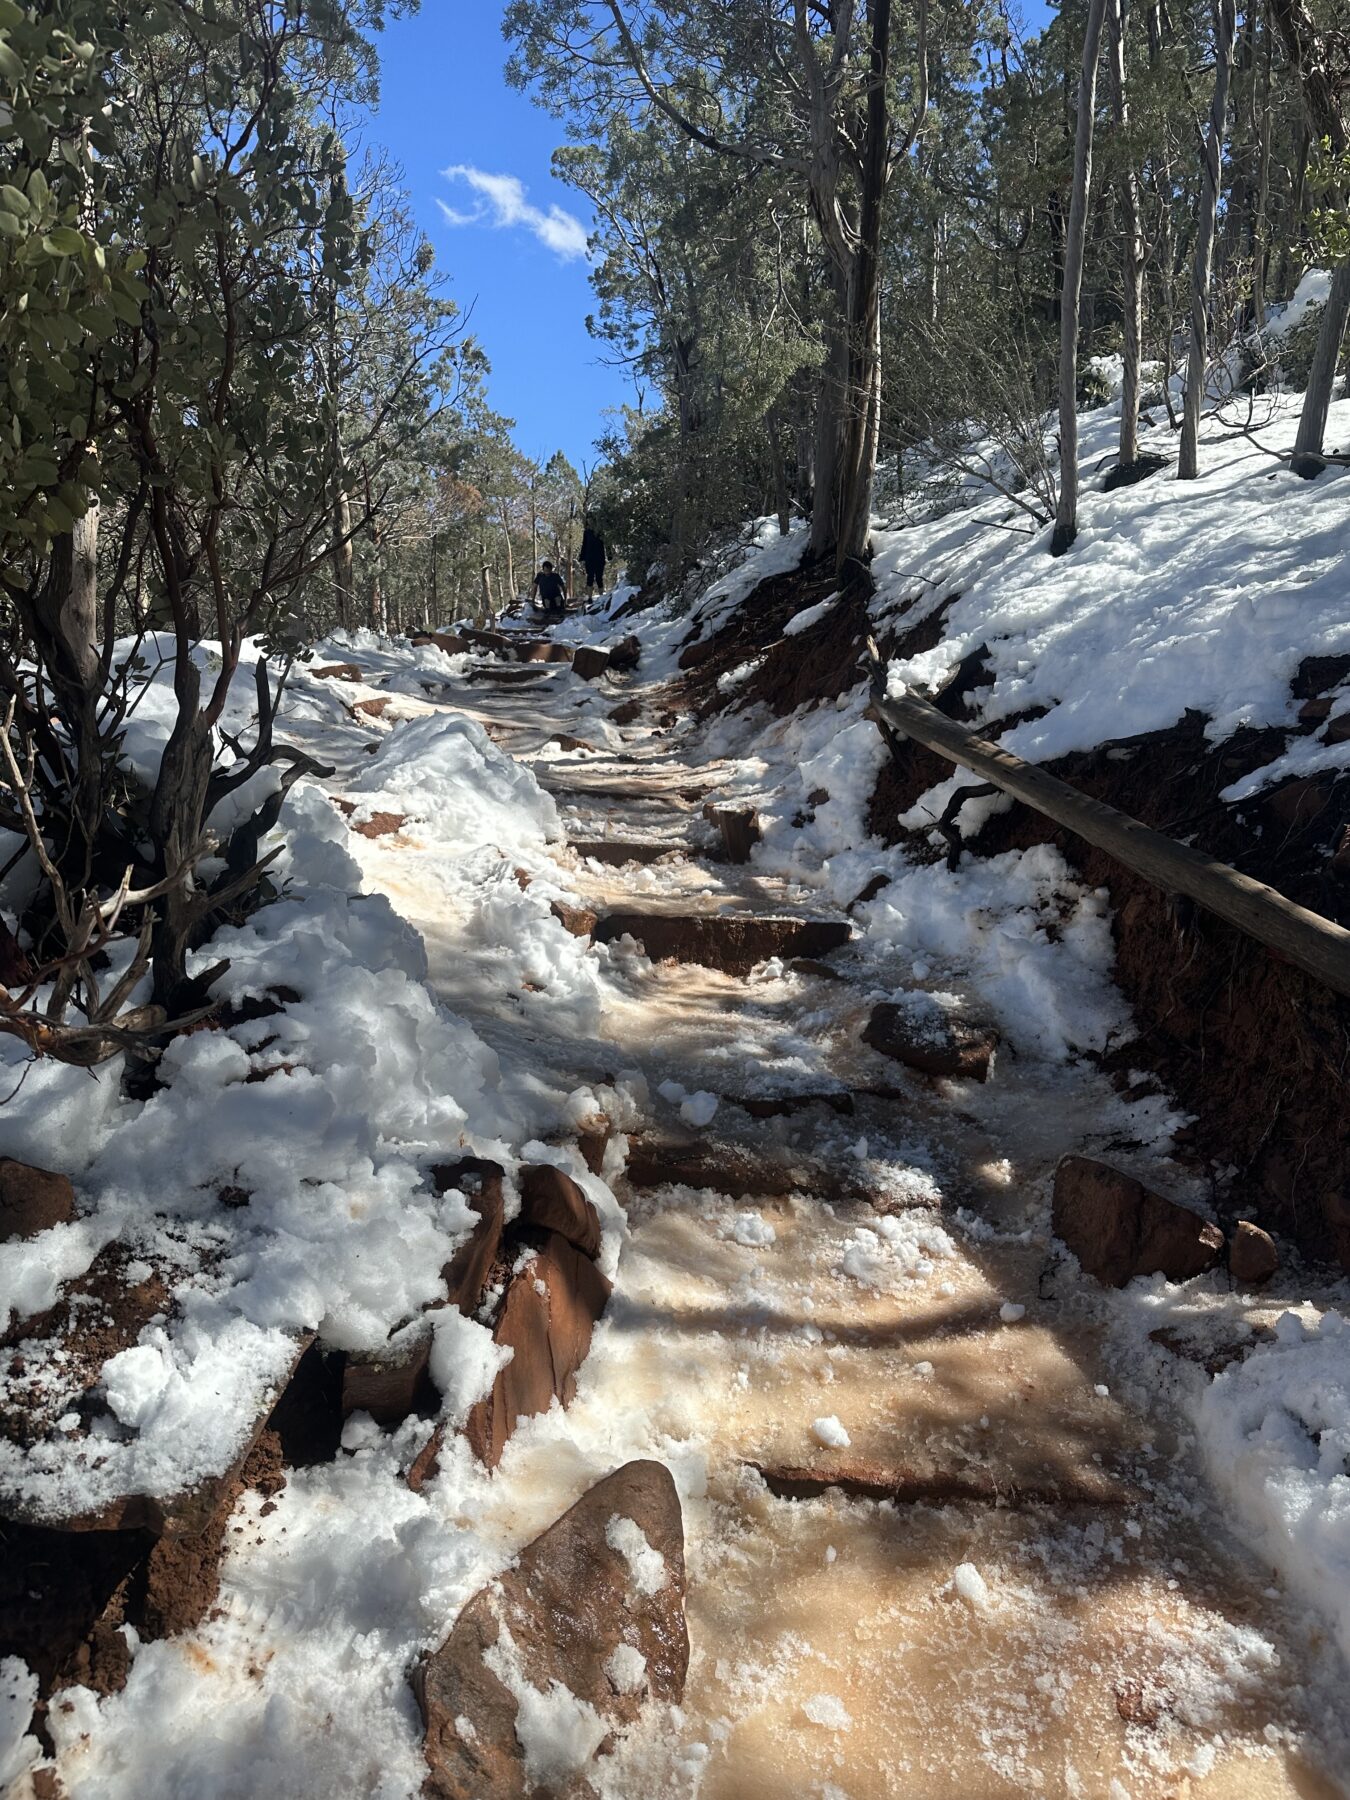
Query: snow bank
column 1275, row 1429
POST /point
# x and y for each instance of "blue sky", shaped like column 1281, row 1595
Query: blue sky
column 516, row 252
column 511, row 237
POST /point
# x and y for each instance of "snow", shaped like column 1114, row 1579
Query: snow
column 809, row 616
column 1275, row 1429
column 626, row 1667
column 971, row 1586
column 646, row 1566
column 830, row 1433
column 750, row 1229
column 1011, row 1311
column 827, row 1710
column 558, row 1732
column 18, row 1696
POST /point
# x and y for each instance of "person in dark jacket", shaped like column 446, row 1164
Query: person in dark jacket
column 593, row 560
column 551, row 591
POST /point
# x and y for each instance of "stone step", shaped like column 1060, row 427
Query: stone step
column 617, row 851
column 732, row 942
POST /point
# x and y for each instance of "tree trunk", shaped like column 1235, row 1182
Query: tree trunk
column 782, row 499
column 1260, row 248
column 1188, row 460
column 1066, row 509
column 342, row 548
column 857, row 473
column 1312, row 66
column 1307, row 459
column 510, row 558
column 1132, row 271
column 829, row 419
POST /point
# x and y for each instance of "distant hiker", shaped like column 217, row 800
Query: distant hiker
column 551, row 590
column 593, row 560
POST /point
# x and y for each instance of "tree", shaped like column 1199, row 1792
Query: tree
column 1066, row 511
column 1188, row 464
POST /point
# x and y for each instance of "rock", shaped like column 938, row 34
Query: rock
column 569, row 1603
column 546, row 1319
column 579, row 920
column 566, row 742
column 935, row 1043
column 1297, row 803
column 1118, row 1228
column 396, row 1381
column 480, row 1182
column 627, row 712
column 509, row 674
column 551, row 1200
column 543, row 650
column 16, row 968
column 449, row 641
column 589, row 662
column 733, row 942
column 374, row 708
column 626, row 653
column 32, row 1200
column 338, row 672
column 740, row 831
column 927, row 1483
column 1252, row 1256
column 869, row 891
column 593, row 1140
column 617, row 851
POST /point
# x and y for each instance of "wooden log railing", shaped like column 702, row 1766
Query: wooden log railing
column 1316, row 945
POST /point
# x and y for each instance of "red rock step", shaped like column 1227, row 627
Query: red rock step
column 732, row 942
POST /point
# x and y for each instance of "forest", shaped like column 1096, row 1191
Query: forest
column 734, row 1182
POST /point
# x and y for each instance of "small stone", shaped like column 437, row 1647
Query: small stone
column 934, row 1043
column 1252, row 1256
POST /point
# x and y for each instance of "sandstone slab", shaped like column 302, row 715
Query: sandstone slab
column 32, row 1199
column 595, row 1607
column 932, row 1042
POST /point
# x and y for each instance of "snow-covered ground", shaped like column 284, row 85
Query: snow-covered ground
column 442, row 1008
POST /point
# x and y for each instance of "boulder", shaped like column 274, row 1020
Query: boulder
column 1252, row 1256
column 550, row 1309
column 626, row 653
column 543, row 650
column 931, row 1041
column 1118, row 1228
column 552, row 1201
column 338, row 672
column 602, row 1620
column 32, row 1200
column 589, row 662
column 627, row 712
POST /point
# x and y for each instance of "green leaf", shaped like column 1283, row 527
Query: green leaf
column 64, row 240
column 11, row 64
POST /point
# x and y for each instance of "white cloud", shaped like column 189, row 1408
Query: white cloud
column 502, row 203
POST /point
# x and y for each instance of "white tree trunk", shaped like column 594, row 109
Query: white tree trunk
column 1188, row 460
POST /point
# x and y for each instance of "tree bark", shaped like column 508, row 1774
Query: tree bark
column 1066, row 509
column 342, row 547
column 1132, row 271
column 1310, row 62
column 1188, row 459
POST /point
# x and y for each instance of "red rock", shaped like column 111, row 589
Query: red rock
column 380, row 824
column 593, row 1140
column 617, row 851
column 449, row 641
column 733, row 942
column 1118, row 1228
column 543, row 650
column 568, row 1603
column 552, row 1201
column 1252, row 1256
column 579, row 920
column 627, row 712
column 1298, row 802
column 549, row 1332
column 933, row 1043
column 338, row 672
column 480, row 1182
column 1338, row 731
column 373, row 708
column 589, row 662
column 739, row 826
column 32, row 1200
column 626, row 653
